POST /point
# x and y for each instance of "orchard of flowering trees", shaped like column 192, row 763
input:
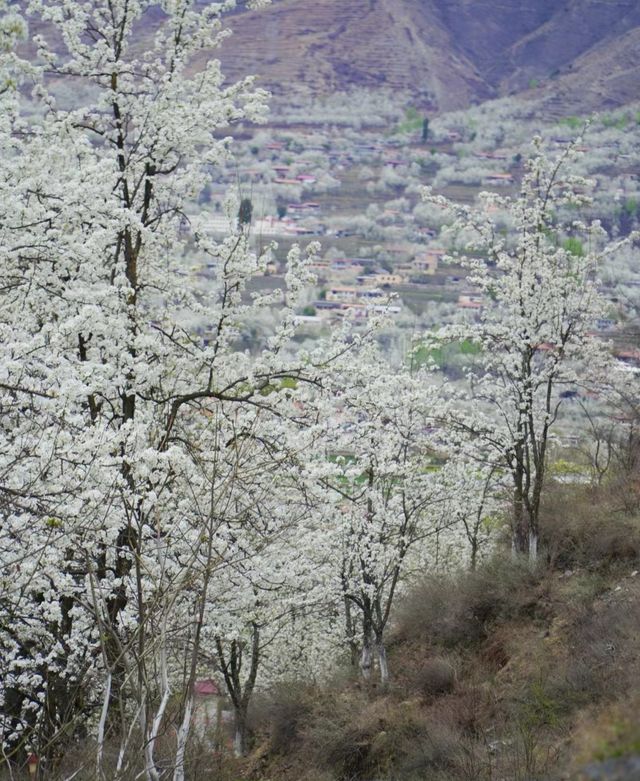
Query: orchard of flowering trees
column 172, row 507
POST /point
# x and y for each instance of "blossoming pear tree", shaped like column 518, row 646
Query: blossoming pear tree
column 380, row 495
column 540, row 300
column 119, row 378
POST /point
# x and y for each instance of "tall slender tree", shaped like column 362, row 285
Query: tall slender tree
column 384, row 496
column 540, row 300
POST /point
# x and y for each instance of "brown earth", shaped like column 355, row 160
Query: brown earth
column 448, row 53
column 577, row 56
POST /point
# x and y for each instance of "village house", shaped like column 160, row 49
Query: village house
column 340, row 294
column 497, row 155
column 347, row 294
column 423, row 234
column 403, row 251
column 303, row 207
column 604, row 324
column 207, row 708
column 405, row 270
column 326, row 306
column 381, row 278
column 329, row 310
column 350, row 268
column 347, row 272
column 424, row 264
column 470, row 301
column 629, row 358
column 320, row 267
column 499, row 178
column 272, row 226
column 340, row 264
column 374, row 295
column 427, row 262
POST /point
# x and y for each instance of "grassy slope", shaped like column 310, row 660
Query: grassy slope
column 498, row 675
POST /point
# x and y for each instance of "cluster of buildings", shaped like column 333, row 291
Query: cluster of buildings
column 315, row 180
column 362, row 287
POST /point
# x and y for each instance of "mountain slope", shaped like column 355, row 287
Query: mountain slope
column 449, row 53
column 579, row 56
column 332, row 45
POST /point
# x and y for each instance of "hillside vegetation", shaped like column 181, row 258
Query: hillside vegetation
column 360, row 510
column 499, row 674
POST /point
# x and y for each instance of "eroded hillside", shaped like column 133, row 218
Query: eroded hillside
column 448, row 52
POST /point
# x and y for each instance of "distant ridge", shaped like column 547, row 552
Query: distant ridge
column 570, row 56
column 448, row 53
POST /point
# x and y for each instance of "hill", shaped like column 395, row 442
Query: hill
column 499, row 674
column 448, row 53
column 576, row 56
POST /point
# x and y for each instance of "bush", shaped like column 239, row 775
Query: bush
column 327, row 734
column 287, row 718
column 458, row 611
column 356, row 739
column 603, row 644
column 283, row 712
column 610, row 734
column 430, row 756
column 581, row 528
column 433, row 677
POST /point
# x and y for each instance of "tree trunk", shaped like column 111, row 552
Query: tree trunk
column 351, row 633
column 474, row 554
column 183, row 735
column 240, row 695
column 533, row 546
column 240, row 737
column 366, row 656
column 520, row 529
column 382, row 662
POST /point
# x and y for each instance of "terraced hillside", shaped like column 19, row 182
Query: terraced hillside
column 448, row 52
column 578, row 56
column 334, row 45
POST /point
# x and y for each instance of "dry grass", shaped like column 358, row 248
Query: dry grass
column 453, row 612
column 499, row 674
column 505, row 673
column 588, row 527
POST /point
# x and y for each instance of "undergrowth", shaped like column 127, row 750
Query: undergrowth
column 504, row 673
